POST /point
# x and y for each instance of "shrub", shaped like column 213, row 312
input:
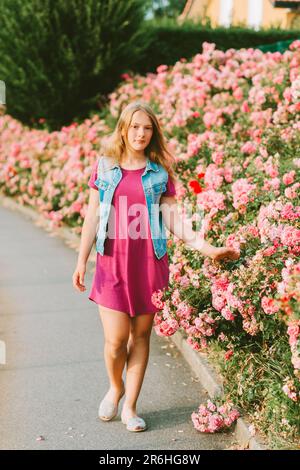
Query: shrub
column 59, row 58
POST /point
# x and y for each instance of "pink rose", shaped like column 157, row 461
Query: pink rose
column 248, row 147
column 227, row 314
column 289, row 178
column 269, row 305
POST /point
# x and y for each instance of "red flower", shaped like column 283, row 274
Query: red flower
column 125, row 76
column 228, row 354
column 201, row 175
column 195, row 186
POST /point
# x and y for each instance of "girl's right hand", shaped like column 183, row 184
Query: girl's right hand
column 78, row 277
column 225, row 253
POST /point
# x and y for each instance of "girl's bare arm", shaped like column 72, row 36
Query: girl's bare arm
column 88, row 233
column 89, row 227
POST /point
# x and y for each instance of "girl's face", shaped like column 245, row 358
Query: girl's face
column 140, row 131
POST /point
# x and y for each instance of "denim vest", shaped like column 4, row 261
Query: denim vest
column 154, row 182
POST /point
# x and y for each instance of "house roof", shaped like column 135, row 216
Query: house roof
column 276, row 4
column 286, row 3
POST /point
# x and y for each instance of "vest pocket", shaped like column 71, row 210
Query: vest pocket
column 159, row 188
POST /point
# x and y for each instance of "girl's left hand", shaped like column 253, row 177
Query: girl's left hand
column 225, row 252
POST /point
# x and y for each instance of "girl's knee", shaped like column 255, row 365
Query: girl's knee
column 116, row 346
column 141, row 328
column 140, row 336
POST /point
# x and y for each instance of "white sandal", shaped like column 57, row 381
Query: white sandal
column 107, row 410
column 135, row 424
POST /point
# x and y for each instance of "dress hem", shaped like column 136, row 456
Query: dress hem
column 131, row 316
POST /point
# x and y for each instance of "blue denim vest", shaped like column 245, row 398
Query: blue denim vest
column 154, row 182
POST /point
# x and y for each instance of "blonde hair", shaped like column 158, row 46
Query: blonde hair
column 156, row 151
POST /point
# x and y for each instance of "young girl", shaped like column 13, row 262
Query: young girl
column 134, row 174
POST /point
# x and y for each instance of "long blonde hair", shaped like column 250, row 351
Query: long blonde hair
column 115, row 145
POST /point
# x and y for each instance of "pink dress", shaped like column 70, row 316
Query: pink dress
column 128, row 273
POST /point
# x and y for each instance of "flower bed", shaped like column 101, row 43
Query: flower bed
column 233, row 120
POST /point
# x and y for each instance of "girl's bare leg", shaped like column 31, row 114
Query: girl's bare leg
column 116, row 326
column 137, row 359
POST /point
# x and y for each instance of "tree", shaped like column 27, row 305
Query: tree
column 60, row 57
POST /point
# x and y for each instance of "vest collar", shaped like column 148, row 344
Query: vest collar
column 109, row 163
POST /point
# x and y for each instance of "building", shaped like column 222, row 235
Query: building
column 252, row 13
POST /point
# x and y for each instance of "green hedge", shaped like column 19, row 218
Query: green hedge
column 168, row 41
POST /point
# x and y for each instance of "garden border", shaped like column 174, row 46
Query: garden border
column 211, row 381
column 208, row 377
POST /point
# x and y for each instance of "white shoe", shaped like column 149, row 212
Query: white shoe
column 135, row 424
column 107, row 409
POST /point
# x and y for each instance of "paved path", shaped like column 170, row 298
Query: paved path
column 55, row 377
